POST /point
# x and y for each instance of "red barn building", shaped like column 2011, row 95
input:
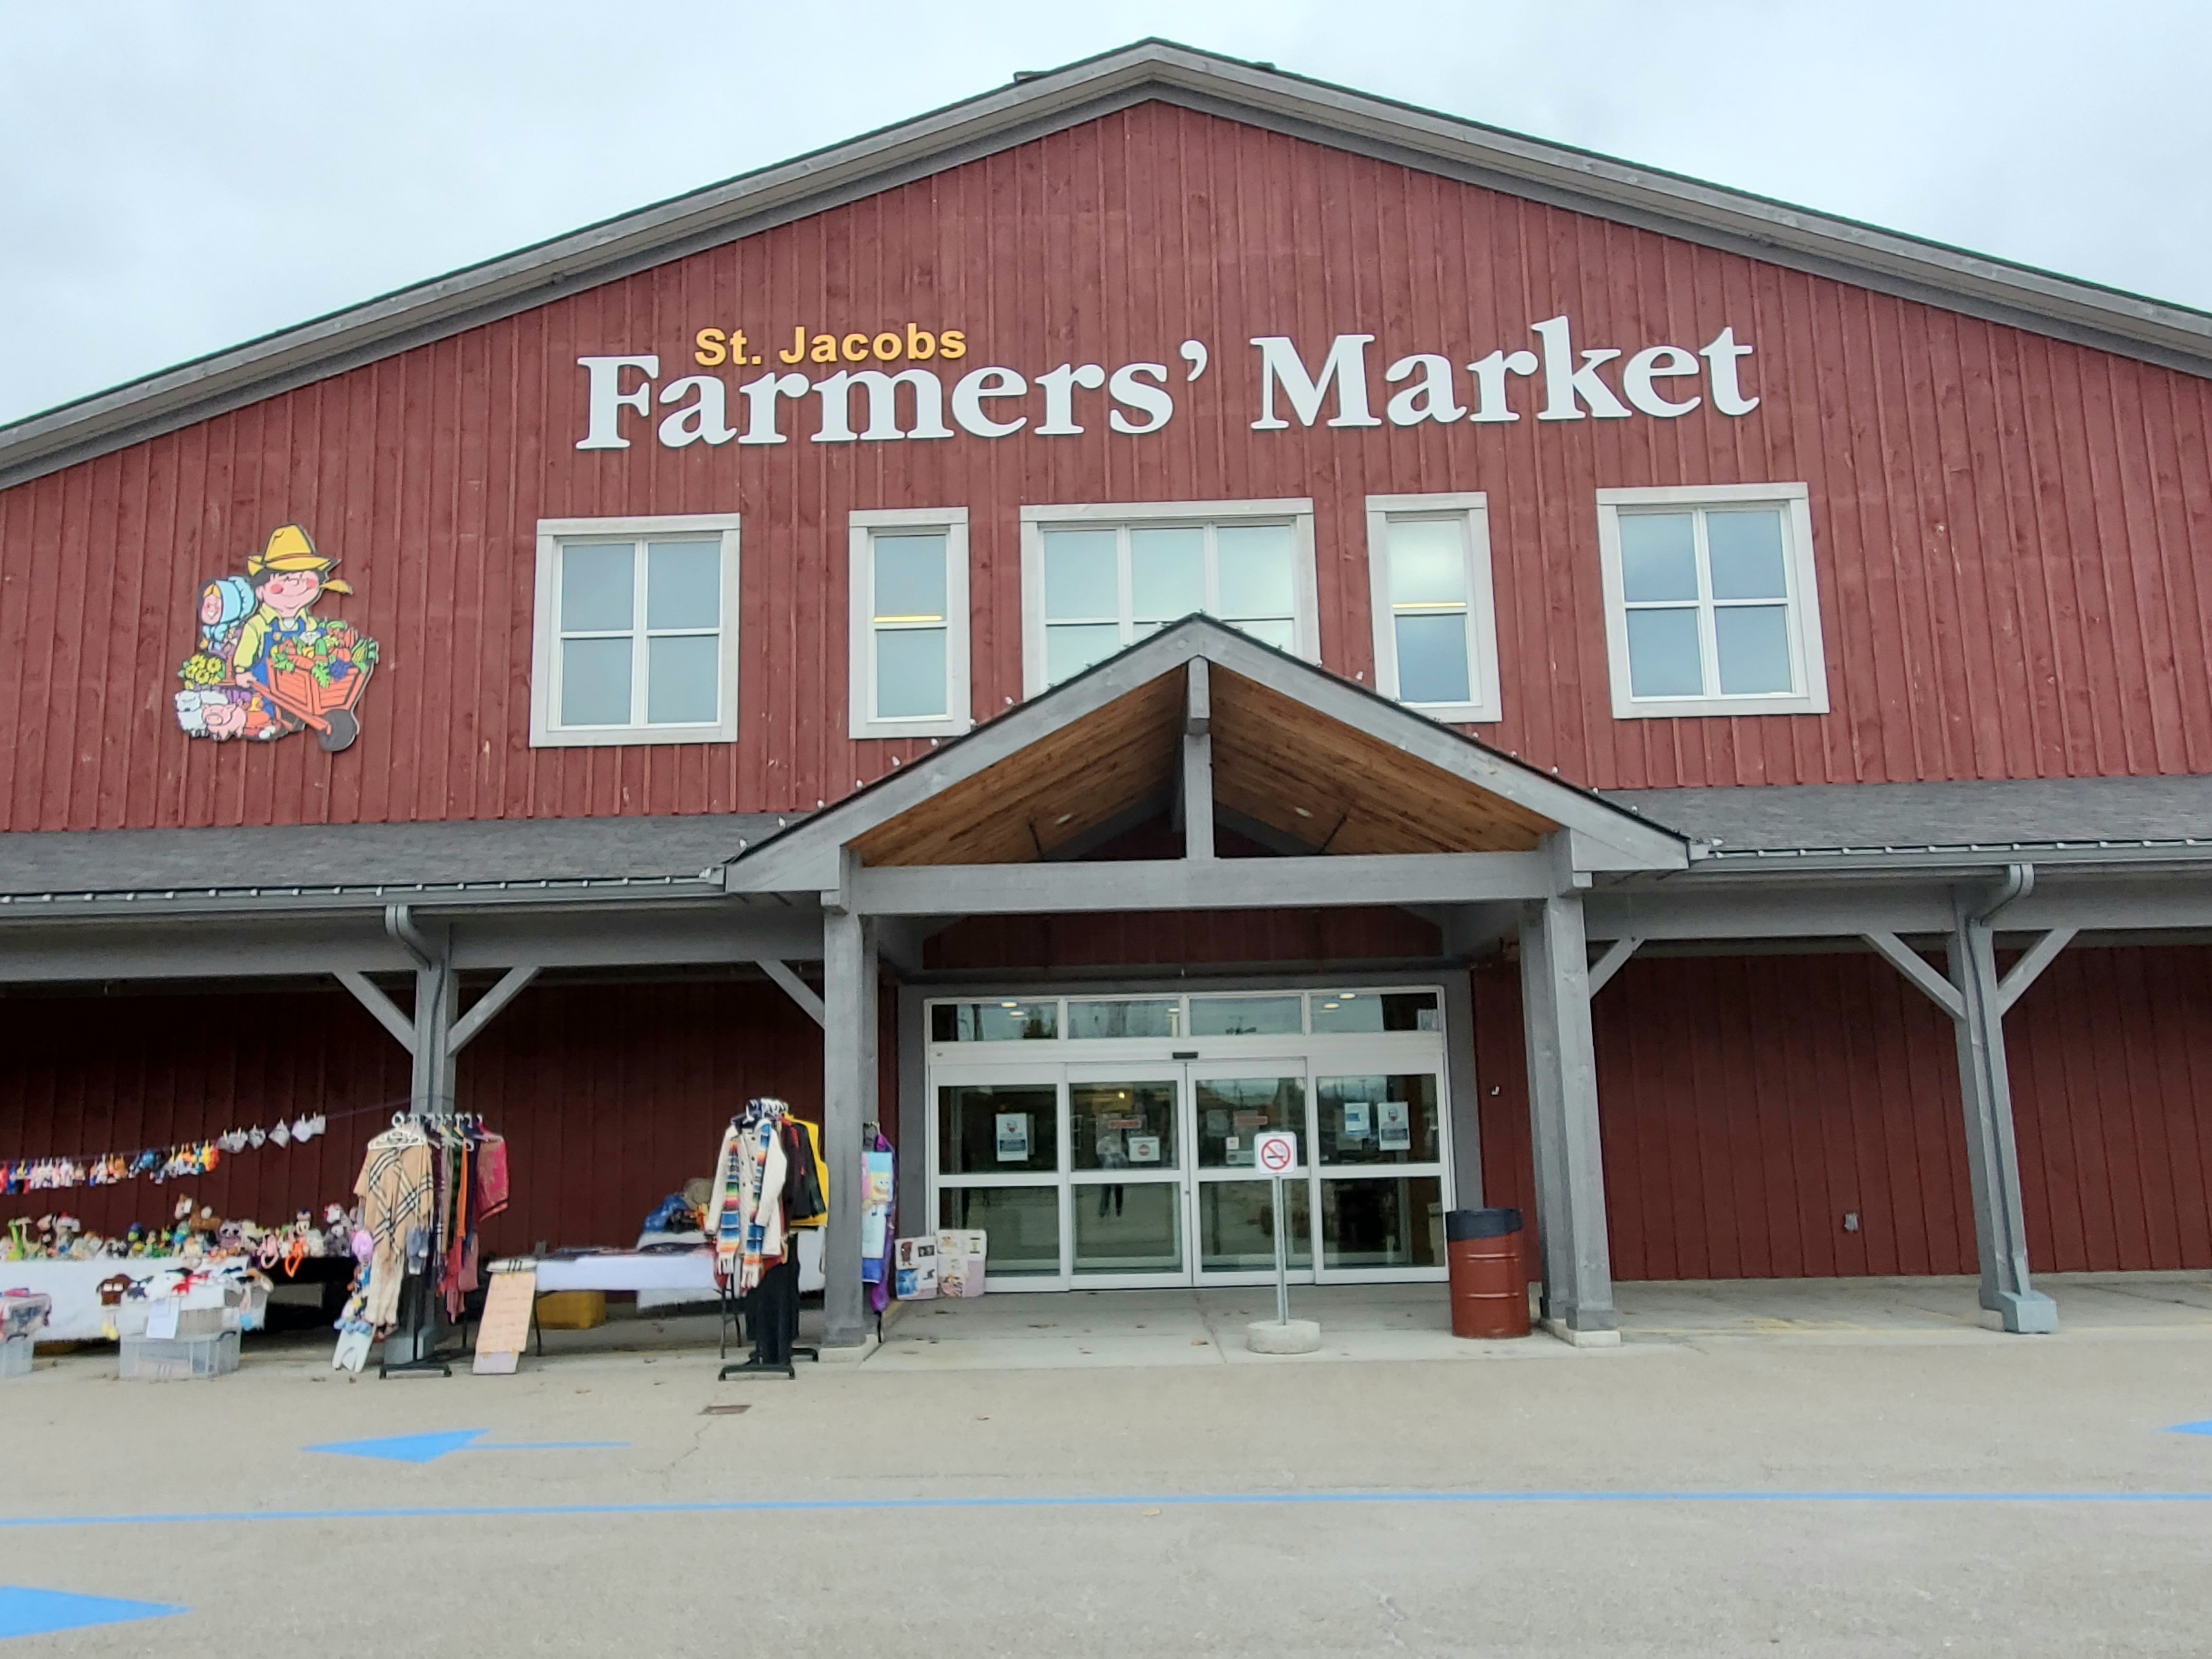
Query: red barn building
column 1163, row 601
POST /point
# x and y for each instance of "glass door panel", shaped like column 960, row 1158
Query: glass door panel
column 1382, row 1222
column 1022, row 1222
column 1126, row 1161
column 997, row 1128
column 1386, row 1118
column 1237, row 1226
column 1232, row 1111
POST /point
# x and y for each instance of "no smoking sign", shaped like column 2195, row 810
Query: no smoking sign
column 1275, row 1153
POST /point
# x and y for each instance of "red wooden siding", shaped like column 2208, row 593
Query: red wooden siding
column 2011, row 531
column 1748, row 1102
column 611, row 1096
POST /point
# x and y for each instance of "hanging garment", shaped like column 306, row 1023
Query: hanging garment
column 806, row 1178
column 398, row 1191
column 491, row 1175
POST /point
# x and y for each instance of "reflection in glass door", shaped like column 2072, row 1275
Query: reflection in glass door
column 1233, row 1206
column 1126, row 1158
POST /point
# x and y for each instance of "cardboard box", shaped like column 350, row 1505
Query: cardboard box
column 572, row 1310
column 914, row 1268
column 960, row 1254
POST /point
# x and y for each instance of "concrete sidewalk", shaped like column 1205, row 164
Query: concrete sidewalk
column 1380, row 1322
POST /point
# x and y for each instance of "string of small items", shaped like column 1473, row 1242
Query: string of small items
column 64, row 1172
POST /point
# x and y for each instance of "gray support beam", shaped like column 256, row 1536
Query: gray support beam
column 1915, row 967
column 387, row 1012
column 1202, row 883
column 797, row 989
column 430, row 1089
column 1992, row 1157
column 1564, row 1122
column 510, row 985
column 912, row 1134
column 1464, row 1086
column 1197, row 763
column 848, row 1100
column 2024, row 972
column 1611, row 961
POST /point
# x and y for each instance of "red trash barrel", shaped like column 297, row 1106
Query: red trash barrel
column 1489, row 1280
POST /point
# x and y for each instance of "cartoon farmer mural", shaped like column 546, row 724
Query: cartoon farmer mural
column 267, row 666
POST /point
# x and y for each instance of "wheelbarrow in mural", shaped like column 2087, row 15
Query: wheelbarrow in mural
column 267, row 666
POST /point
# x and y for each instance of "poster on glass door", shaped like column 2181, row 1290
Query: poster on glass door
column 1013, row 1137
column 1393, row 1126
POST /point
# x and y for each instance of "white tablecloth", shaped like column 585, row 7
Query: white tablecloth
column 77, row 1316
column 656, row 1274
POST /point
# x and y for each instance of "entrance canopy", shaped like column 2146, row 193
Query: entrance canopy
column 1361, row 800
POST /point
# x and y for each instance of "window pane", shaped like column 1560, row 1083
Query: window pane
column 1237, row 1225
column 1753, row 644
column 1369, row 1010
column 1253, row 575
column 595, row 583
column 1071, row 648
column 1232, row 1111
column 1662, row 655
column 680, row 679
column 1080, row 577
column 909, row 672
column 1382, row 1224
column 1133, row 1228
column 1377, row 1120
column 1121, row 1126
column 684, row 585
column 1022, row 1224
column 1432, row 656
column 1658, row 557
column 1282, row 633
column 1155, row 1016
column 1245, row 1016
column 993, row 1022
column 1428, row 562
column 910, row 577
column 997, row 1128
column 595, row 682
column 1167, row 573
column 1746, row 553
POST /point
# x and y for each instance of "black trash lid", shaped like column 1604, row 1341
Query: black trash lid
column 1481, row 1224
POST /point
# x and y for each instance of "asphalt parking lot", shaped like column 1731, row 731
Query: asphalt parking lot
column 1816, row 1494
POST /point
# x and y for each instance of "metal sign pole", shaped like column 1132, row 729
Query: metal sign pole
column 1282, row 1258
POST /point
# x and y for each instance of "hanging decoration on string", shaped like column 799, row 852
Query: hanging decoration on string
column 64, row 1172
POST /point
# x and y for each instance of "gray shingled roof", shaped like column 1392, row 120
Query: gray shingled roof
column 2022, row 811
column 373, row 855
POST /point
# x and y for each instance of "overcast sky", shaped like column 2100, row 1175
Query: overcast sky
column 176, row 179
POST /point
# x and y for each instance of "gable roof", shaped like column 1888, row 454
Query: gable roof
column 1285, row 730
column 1036, row 105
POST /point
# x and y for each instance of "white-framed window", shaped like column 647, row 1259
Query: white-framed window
column 1710, row 606
column 910, row 622
column 1436, row 626
column 636, row 637
column 1097, row 578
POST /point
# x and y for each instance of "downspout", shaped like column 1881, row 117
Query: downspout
column 2019, row 883
column 400, row 925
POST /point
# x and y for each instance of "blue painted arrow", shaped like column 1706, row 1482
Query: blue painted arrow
column 2204, row 1427
column 28, row 1612
column 428, row 1448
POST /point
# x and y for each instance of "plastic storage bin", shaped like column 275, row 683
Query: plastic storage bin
column 152, row 1359
column 16, row 1357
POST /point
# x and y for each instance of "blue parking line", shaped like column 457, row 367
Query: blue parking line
column 1161, row 1500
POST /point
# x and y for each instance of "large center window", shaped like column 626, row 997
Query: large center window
column 1097, row 579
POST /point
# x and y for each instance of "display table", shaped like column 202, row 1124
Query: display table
column 627, row 1270
column 74, row 1287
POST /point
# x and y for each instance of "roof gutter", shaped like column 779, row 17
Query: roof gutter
column 2019, row 882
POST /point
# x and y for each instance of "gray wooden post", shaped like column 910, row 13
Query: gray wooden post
column 848, row 1100
column 1563, row 1113
column 1992, row 1155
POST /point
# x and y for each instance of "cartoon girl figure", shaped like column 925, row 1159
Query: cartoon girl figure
column 213, row 705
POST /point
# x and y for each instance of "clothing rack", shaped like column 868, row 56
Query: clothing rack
column 419, row 1292
column 742, row 1199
